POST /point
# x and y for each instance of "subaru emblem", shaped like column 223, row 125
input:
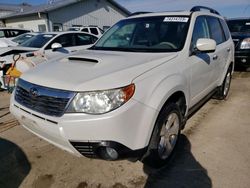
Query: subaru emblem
column 33, row 92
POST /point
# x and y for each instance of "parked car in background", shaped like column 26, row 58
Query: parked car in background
column 240, row 31
column 12, row 32
column 8, row 42
column 88, row 29
column 50, row 45
column 131, row 93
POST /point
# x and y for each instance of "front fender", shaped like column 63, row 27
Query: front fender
column 154, row 91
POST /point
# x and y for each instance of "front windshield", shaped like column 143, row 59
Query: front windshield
column 239, row 25
column 38, row 41
column 148, row 34
column 22, row 38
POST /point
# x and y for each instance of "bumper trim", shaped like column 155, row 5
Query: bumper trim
column 94, row 149
column 54, row 122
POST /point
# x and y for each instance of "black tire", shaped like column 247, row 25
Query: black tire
column 223, row 90
column 156, row 156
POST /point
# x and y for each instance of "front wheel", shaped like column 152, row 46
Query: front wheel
column 165, row 137
column 223, row 90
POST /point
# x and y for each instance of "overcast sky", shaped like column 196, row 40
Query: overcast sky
column 228, row 8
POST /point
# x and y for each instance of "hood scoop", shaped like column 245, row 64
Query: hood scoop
column 84, row 59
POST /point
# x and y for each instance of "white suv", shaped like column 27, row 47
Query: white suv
column 132, row 92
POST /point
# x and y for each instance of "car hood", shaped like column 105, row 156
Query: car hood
column 95, row 70
column 6, row 43
column 15, row 50
column 240, row 35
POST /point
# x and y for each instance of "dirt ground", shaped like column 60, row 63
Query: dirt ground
column 214, row 152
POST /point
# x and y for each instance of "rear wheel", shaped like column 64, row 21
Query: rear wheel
column 165, row 137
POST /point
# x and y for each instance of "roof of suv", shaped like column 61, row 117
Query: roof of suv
column 176, row 13
column 199, row 9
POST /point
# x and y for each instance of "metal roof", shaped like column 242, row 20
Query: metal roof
column 44, row 8
column 14, row 8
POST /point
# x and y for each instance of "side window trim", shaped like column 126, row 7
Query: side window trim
column 225, row 30
column 221, row 29
column 209, row 32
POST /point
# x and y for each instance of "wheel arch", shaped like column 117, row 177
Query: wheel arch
column 177, row 97
column 230, row 65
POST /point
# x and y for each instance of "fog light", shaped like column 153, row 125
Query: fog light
column 243, row 60
column 112, row 153
column 108, row 153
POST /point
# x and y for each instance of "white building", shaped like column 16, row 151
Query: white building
column 7, row 9
column 60, row 15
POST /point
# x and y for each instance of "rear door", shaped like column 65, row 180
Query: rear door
column 223, row 47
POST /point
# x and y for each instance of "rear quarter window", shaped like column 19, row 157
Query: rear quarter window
column 94, row 31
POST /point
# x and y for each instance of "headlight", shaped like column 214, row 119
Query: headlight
column 100, row 102
column 245, row 44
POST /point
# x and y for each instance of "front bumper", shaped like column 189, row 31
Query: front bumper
column 242, row 57
column 126, row 129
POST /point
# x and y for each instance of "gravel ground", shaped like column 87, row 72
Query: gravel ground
column 214, row 152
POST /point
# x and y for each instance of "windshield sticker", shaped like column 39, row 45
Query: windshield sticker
column 147, row 25
column 248, row 23
column 175, row 19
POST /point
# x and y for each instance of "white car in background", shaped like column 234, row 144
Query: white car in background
column 8, row 42
column 49, row 45
column 88, row 29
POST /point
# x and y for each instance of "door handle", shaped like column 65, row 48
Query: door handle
column 215, row 57
column 228, row 50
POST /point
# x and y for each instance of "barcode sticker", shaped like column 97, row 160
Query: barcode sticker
column 175, row 19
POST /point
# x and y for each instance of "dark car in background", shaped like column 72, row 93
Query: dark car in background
column 240, row 31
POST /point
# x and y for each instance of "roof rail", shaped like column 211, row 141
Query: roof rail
column 199, row 8
column 138, row 13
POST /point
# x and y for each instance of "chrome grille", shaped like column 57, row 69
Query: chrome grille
column 48, row 101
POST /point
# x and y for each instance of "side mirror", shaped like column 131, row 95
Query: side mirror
column 206, row 45
column 56, row 46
